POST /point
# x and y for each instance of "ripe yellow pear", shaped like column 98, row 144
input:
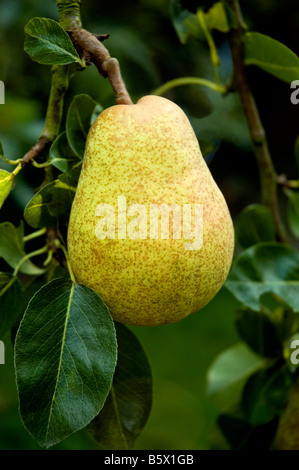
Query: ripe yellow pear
column 142, row 164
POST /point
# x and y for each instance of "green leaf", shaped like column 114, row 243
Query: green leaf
column 258, row 332
column 6, row 184
column 37, row 213
column 78, row 122
column 229, row 372
column 128, row 405
column 12, row 248
column 253, row 225
column 293, row 211
column 47, row 43
column 185, row 23
column 65, row 357
column 1, row 149
column 72, row 178
column 266, row 267
column 188, row 25
column 10, row 301
column 243, row 436
column 62, row 197
column 216, row 18
column 271, row 56
column 226, row 122
column 97, row 110
column 51, row 202
column 286, row 321
column 264, row 395
column 61, row 154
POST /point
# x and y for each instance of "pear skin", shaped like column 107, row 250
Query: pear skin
column 148, row 154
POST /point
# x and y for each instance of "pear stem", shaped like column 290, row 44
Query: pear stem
column 90, row 47
column 268, row 176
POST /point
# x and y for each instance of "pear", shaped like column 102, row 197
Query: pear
column 142, row 165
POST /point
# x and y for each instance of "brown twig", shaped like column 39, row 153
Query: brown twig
column 89, row 44
column 102, row 37
column 52, row 236
column 268, row 177
column 41, row 145
column 90, row 47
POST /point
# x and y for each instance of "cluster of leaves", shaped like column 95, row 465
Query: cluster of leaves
column 251, row 380
column 260, row 50
column 55, row 198
column 75, row 367
column 226, row 122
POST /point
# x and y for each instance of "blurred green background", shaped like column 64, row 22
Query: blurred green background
column 146, row 45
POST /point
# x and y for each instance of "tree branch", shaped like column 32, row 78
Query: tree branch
column 41, row 145
column 59, row 85
column 268, row 177
column 69, row 12
column 90, row 47
column 88, row 43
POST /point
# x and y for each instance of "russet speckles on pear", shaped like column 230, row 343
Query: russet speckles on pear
column 148, row 153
